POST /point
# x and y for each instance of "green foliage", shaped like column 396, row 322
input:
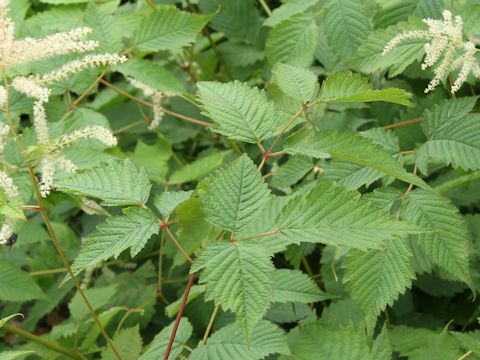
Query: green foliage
column 239, row 179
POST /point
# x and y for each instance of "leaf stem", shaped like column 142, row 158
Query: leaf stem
column 191, row 279
column 265, row 7
column 402, row 123
column 44, row 342
column 209, row 326
column 86, row 92
column 177, row 244
column 449, row 185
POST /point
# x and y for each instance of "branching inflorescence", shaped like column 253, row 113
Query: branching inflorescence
column 15, row 52
column 445, row 50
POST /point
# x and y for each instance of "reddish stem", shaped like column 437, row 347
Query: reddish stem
column 191, row 279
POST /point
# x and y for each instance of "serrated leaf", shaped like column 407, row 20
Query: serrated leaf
column 344, row 87
column 238, row 276
column 230, row 343
column 105, row 28
column 295, row 286
column 116, row 234
column 199, row 168
column 289, row 9
column 376, row 278
column 167, row 201
column 159, row 344
column 351, row 147
column 347, row 24
column 16, row 285
column 14, row 354
column 449, row 246
column 333, row 215
column 239, row 111
column 168, row 28
column 128, row 344
column 116, row 183
column 235, row 195
column 297, row 83
column 293, row 41
column 291, row 172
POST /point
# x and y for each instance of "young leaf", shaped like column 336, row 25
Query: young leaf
column 117, row 183
column 199, row 168
column 239, row 111
column 16, row 285
column 168, row 28
column 333, row 215
column 449, row 246
column 230, row 343
column 238, row 276
column 167, row 201
column 235, row 195
column 351, row 147
column 376, row 278
column 116, row 234
column 349, row 87
column 297, row 83
column 293, row 41
column 295, row 286
column 347, row 25
column 127, row 342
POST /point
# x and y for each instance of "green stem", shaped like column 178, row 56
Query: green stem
column 47, row 343
column 449, row 185
column 265, row 7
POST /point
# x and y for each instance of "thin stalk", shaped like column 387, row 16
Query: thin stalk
column 177, row 244
column 191, row 279
column 449, row 185
column 48, row 272
column 466, row 355
column 265, row 7
column 210, row 325
column 51, row 232
column 90, row 88
column 44, row 342
column 160, row 266
column 129, row 126
column 410, row 186
column 266, row 233
column 402, row 123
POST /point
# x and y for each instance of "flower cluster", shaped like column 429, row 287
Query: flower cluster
column 15, row 52
column 11, row 193
column 157, row 98
column 445, row 50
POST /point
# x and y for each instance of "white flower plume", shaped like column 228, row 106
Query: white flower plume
column 445, row 50
column 157, row 98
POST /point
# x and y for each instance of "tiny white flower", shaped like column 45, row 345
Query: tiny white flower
column 157, row 97
column 8, row 186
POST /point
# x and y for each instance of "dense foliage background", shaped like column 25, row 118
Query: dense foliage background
column 282, row 188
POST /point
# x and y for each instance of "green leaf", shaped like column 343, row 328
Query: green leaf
column 167, row 201
column 168, row 28
column 238, row 276
column 293, row 41
column 116, row 234
column 5, row 320
column 105, row 28
column 201, row 167
column 352, row 147
column 291, row 172
column 152, row 74
column 16, row 285
column 449, row 246
column 289, row 9
column 159, row 344
column 239, row 111
column 116, row 183
column 319, row 341
column 128, row 344
column 347, row 24
column 376, row 278
column 368, row 58
column 14, row 354
column 173, row 308
column 235, row 195
column 297, row 83
column 230, row 343
column 345, row 87
column 333, row 215
column 295, row 286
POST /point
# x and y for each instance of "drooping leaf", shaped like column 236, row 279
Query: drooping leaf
column 239, row 111
column 116, row 234
column 295, row 286
column 347, row 87
column 293, row 41
column 168, row 28
column 230, row 343
column 238, row 276
column 17, row 285
column 449, row 245
column 351, row 147
column 376, row 278
column 333, row 215
column 297, row 83
column 116, row 183
column 235, row 195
